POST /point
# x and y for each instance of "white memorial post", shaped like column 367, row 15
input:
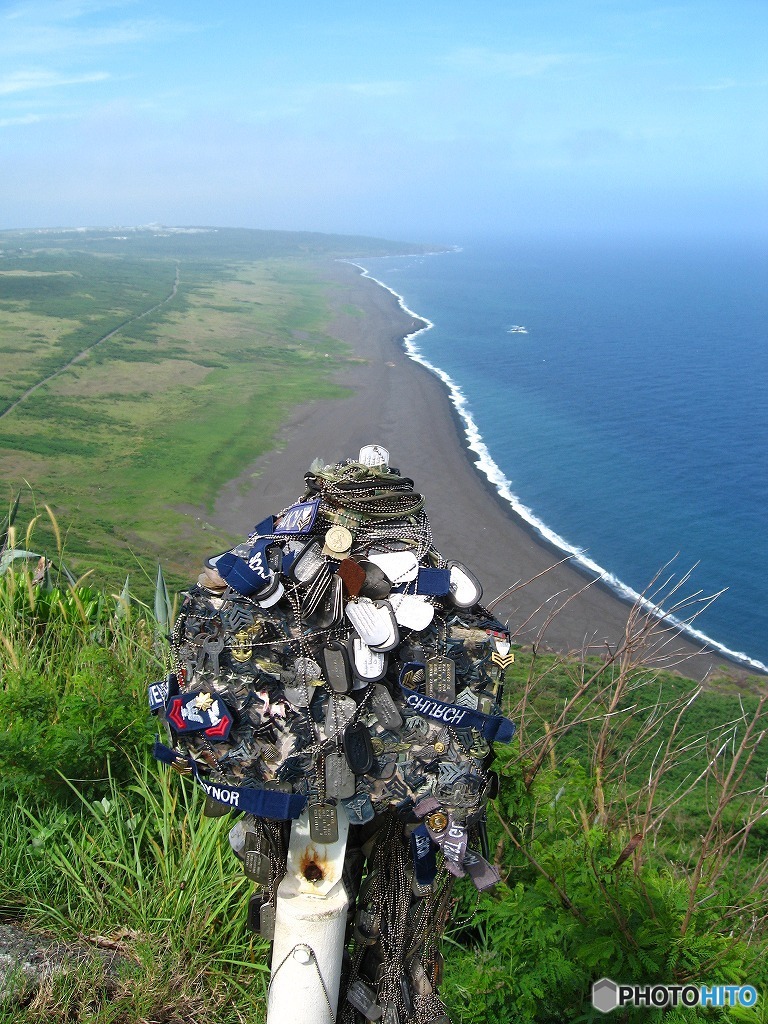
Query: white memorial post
column 310, row 924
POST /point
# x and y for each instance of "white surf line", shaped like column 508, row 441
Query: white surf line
column 81, row 355
column 485, row 464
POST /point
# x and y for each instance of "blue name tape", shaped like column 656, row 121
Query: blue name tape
column 264, row 803
column 493, row 727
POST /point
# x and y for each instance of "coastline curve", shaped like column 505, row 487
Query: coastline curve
column 500, row 483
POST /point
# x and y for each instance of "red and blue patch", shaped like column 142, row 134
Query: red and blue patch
column 199, row 712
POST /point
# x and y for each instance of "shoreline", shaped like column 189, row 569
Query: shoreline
column 493, row 478
column 404, row 404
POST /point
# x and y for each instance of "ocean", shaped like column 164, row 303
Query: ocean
column 616, row 394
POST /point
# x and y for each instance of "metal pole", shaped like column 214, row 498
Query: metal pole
column 310, row 925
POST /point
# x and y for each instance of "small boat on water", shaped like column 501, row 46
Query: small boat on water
column 517, row 329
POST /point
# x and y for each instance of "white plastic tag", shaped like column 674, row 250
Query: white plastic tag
column 465, row 588
column 373, row 455
column 399, row 566
column 371, row 621
column 369, row 665
column 412, row 611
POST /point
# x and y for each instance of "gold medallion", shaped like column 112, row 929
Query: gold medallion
column 338, row 540
column 438, row 821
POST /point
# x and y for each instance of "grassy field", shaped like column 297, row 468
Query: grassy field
column 208, row 354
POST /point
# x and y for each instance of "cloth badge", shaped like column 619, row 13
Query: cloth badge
column 434, row 582
column 452, row 840
column 299, row 518
column 246, row 575
column 483, row 874
column 199, row 712
column 262, row 529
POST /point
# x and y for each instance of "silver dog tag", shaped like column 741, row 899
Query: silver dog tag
column 385, row 708
column 323, row 823
column 367, row 665
column 370, row 620
column 441, row 679
column 340, row 781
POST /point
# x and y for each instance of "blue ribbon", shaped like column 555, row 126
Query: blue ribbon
column 493, row 727
column 424, row 853
column 263, row 803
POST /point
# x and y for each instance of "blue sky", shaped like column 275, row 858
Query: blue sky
column 423, row 121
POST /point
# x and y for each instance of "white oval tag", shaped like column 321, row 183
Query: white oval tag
column 465, row 588
column 412, row 611
column 398, row 566
column 371, row 621
column 368, row 664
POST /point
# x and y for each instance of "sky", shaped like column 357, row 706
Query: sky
column 411, row 120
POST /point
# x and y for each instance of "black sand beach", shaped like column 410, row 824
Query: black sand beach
column 401, row 405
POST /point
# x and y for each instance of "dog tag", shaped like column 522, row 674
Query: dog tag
column 363, row 998
column 358, row 749
column 465, row 587
column 330, row 610
column 370, row 619
column 323, row 823
column 393, row 636
column 298, row 696
column 215, row 808
column 385, row 708
column 399, row 566
column 340, row 780
column 441, row 679
column 256, row 863
column 253, row 920
column 272, row 596
column 377, row 585
column 367, row 665
column 307, row 671
column 391, row 1015
column 267, row 921
column 336, row 667
column 373, row 455
column 317, row 589
column 307, row 563
column 412, row 612
column 340, row 712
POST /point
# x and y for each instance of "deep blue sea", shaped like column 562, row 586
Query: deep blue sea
column 629, row 423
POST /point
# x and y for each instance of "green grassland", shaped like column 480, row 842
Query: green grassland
column 209, row 353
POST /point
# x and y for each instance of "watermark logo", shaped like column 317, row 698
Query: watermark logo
column 607, row 995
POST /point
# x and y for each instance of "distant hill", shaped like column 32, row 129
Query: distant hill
column 201, row 242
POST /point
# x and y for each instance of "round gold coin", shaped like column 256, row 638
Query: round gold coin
column 338, row 539
column 437, row 821
column 440, row 747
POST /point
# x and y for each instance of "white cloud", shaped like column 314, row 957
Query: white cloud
column 65, row 28
column 25, row 81
column 10, row 122
column 483, row 60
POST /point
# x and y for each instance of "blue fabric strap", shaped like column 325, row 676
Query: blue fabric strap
column 424, row 853
column 264, row 803
column 493, row 727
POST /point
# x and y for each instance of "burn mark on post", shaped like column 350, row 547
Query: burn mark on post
column 313, row 865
